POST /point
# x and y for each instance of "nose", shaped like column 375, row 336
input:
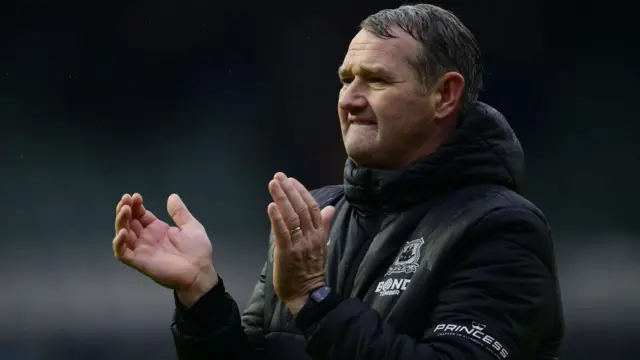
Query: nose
column 352, row 100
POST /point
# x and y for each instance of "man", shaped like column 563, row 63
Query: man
column 426, row 252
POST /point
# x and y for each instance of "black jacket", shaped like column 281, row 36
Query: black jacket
column 441, row 260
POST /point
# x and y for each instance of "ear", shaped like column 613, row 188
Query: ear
column 449, row 90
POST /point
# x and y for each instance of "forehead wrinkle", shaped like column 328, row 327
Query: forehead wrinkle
column 367, row 60
column 363, row 68
column 388, row 57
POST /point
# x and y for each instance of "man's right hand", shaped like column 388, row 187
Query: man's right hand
column 176, row 257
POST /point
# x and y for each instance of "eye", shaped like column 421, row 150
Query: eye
column 346, row 81
column 377, row 80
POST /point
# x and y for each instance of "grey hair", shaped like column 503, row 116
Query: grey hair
column 447, row 45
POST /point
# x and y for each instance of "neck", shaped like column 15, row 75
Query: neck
column 443, row 132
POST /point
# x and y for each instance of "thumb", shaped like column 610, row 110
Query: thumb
column 327, row 215
column 180, row 214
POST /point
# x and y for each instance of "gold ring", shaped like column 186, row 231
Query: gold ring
column 294, row 231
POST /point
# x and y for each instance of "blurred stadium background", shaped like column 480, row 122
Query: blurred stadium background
column 210, row 99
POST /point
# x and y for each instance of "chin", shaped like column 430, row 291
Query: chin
column 361, row 147
column 361, row 157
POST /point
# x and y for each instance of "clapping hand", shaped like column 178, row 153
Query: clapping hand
column 177, row 257
column 300, row 231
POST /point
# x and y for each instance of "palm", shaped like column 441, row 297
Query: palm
column 170, row 256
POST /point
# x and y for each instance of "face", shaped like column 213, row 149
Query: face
column 386, row 114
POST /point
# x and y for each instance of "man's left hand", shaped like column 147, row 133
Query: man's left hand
column 300, row 229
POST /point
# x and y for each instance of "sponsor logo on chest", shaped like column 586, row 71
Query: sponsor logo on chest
column 404, row 265
column 392, row 286
column 408, row 259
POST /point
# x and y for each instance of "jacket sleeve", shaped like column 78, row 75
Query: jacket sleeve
column 496, row 303
column 214, row 329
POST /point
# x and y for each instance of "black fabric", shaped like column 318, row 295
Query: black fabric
column 503, row 284
column 441, row 260
column 205, row 314
column 312, row 312
column 209, row 326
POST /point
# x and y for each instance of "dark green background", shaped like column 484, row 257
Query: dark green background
column 209, row 100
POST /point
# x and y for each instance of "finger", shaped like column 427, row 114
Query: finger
column 123, row 245
column 136, row 226
column 297, row 204
column 312, row 205
column 124, row 200
column 181, row 215
column 174, row 236
column 327, row 214
column 139, row 212
column 285, row 210
column 123, row 218
column 281, row 235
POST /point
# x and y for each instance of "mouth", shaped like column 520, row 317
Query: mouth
column 362, row 122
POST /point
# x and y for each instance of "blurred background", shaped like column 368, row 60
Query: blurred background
column 209, row 100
